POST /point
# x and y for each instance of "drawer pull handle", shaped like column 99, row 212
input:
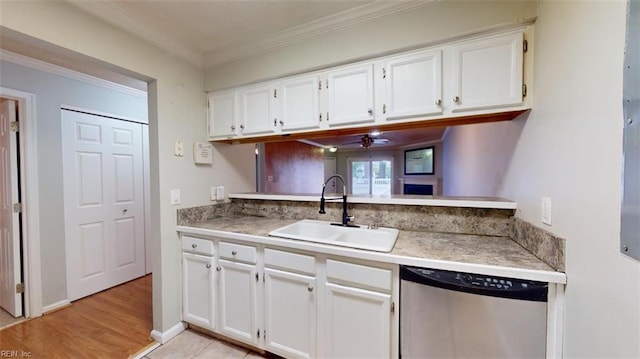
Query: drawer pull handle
column 194, row 245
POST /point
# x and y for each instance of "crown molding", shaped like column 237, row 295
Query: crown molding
column 112, row 14
column 300, row 33
column 17, row 59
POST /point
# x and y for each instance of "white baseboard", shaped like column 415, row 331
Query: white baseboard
column 163, row 337
column 55, row 306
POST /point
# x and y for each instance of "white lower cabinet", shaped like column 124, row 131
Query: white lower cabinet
column 297, row 305
column 358, row 323
column 290, row 314
column 238, row 301
column 198, row 299
column 359, row 311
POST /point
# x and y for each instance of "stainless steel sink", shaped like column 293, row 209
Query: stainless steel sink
column 379, row 239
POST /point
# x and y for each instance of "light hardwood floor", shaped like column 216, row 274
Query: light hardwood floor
column 115, row 323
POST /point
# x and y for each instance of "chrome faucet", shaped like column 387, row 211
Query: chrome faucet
column 345, row 217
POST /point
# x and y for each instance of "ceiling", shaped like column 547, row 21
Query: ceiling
column 395, row 139
column 211, row 32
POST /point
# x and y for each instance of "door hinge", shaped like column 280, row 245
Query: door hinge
column 393, row 308
column 208, row 104
column 384, row 73
column 327, row 116
column 256, row 277
column 15, row 126
column 275, row 93
column 525, row 45
column 17, row 207
column 524, row 90
column 20, row 288
column 327, row 83
column 264, row 334
column 258, row 333
column 320, row 85
column 264, row 277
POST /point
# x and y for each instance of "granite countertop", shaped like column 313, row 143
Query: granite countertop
column 411, row 247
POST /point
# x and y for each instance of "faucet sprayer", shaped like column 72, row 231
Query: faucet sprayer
column 345, row 217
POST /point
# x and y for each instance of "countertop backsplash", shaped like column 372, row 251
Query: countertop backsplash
column 472, row 221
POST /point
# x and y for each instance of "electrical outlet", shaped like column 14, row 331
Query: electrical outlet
column 546, row 210
column 175, row 197
column 178, row 149
column 220, row 193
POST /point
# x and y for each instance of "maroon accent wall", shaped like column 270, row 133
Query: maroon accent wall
column 293, row 167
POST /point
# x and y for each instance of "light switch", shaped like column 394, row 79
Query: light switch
column 175, row 197
column 220, row 193
column 546, row 210
column 178, row 149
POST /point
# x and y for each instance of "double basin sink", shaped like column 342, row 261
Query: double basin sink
column 361, row 237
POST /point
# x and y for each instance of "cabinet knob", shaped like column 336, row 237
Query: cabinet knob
column 456, row 99
column 233, row 253
column 281, row 123
column 194, row 245
column 208, row 266
column 233, row 128
column 310, row 288
column 370, row 111
column 384, row 108
column 218, row 268
column 438, row 102
column 242, row 127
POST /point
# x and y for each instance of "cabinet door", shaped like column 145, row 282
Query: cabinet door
column 290, row 313
column 414, row 85
column 358, row 323
column 299, row 103
column 222, row 112
column 238, row 301
column 257, row 113
column 350, row 95
column 198, row 299
column 487, row 73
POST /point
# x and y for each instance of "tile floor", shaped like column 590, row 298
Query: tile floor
column 191, row 344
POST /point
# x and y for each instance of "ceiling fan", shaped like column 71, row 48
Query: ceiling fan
column 366, row 141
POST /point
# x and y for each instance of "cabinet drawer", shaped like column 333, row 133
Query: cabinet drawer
column 359, row 275
column 290, row 261
column 197, row 245
column 237, row 252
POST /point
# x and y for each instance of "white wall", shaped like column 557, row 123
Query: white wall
column 570, row 149
column 476, row 157
column 412, row 28
column 176, row 111
column 52, row 91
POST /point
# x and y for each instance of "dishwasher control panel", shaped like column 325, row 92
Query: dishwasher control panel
column 512, row 288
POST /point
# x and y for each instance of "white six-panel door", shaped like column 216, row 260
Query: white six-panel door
column 9, row 221
column 104, row 204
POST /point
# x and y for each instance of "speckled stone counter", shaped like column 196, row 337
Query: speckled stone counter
column 468, row 249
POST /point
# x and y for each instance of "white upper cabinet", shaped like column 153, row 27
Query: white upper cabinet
column 257, row 109
column 413, row 85
column 487, row 73
column 299, row 103
column 222, row 113
column 350, row 95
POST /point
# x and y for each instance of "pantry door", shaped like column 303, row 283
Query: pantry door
column 10, row 261
column 104, row 202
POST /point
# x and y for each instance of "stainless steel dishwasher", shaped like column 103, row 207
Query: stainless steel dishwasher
column 446, row 314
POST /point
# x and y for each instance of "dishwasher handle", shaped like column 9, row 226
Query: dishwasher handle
column 502, row 287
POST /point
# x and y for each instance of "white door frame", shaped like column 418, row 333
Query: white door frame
column 30, row 205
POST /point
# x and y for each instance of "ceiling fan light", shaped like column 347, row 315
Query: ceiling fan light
column 375, row 133
column 333, row 149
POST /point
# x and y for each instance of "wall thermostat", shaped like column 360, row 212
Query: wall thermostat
column 202, row 153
